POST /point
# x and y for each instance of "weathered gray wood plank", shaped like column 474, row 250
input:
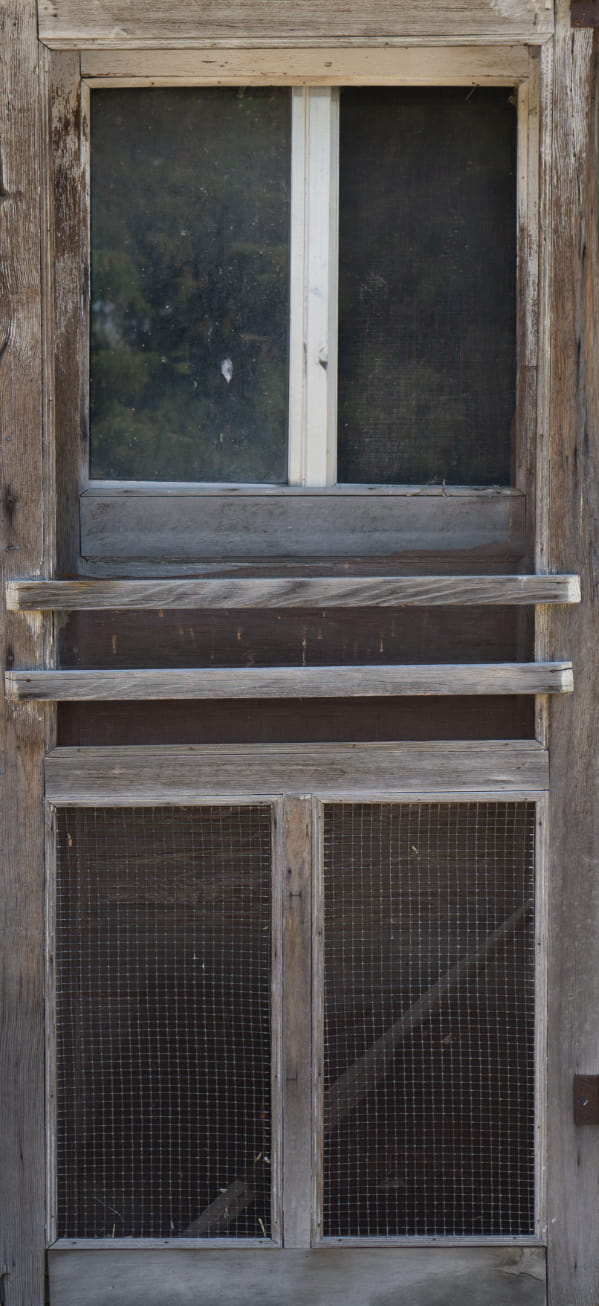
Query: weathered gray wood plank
column 26, row 544
column 573, row 513
column 291, row 682
column 167, row 22
column 296, row 852
column 181, row 774
column 321, row 1277
column 67, row 296
column 297, row 523
column 329, row 591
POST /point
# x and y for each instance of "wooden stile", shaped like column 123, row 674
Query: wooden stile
column 572, row 510
column 26, row 536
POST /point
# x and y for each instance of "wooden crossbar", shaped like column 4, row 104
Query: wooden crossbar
column 289, row 592
column 291, row 682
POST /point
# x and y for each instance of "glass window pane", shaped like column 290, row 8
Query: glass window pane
column 427, row 328
column 190, row 294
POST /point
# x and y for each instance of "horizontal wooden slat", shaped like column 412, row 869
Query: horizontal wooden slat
column 320, row 1277
column 326, row 65
column 64, row 23
column 291, row 682
column 325, row 591
column 178, row 523
column 180, row 774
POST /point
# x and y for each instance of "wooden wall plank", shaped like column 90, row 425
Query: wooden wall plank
column 133, row 774
column 321, row 1277
column 294, row 523
column 479, row 65
column 26, row 547
column 291, row 682
column 333, row 591
column 573, row 508
column 167, row 22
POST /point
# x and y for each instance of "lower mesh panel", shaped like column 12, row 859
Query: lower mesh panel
column 429, row 1019
column 163, row 1022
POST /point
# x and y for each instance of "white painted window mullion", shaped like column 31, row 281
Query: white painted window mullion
column 314, row 280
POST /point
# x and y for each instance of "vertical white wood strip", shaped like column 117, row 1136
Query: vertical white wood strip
column 276, row 990
column 314, row 281
column 321, row 290
column 541, row 934
column 317, row 1019
column 297, row 281
column 295, row 873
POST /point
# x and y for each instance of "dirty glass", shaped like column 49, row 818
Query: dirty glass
column 190, row 284
column 427, row 325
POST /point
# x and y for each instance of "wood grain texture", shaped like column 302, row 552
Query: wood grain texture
column 291, row 682
column 353, row 591
column 321, row 1277
column 168, row 22
column 184, row 525
column 333, row 65
column 26, row 545
column 296, row 852
column 573, row 512
column 67, row 296
column 170, row 774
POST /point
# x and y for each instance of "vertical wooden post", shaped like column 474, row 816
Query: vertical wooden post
column 26, row 551
column 297, row 1019
column 573, row 461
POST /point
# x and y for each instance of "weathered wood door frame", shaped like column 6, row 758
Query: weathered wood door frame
column 568, row 419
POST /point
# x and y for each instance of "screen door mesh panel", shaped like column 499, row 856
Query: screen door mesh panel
column 429, row 1019
column 163, row 929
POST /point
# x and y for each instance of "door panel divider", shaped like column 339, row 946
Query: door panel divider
column 290, row 682
column 290, row 592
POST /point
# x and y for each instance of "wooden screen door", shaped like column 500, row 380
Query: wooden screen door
column 393, row 1017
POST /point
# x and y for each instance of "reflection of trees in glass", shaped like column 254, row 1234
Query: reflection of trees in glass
column 427, row 330
column 190, row 299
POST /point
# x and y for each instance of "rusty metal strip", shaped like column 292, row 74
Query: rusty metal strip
column 586, row 1099
column 584, row 13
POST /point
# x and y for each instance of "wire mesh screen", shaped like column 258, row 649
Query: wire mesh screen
column 163, row 1022
column 429, row 1019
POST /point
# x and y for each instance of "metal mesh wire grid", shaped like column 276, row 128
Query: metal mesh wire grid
column 429, row 1019
column 163, row 960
